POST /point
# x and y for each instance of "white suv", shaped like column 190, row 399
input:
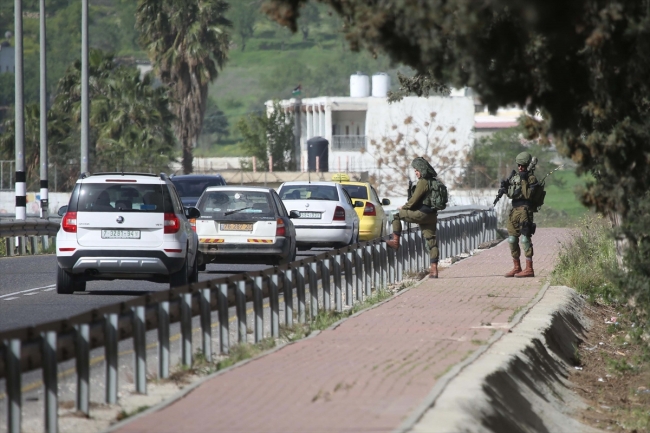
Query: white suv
column 125, row 226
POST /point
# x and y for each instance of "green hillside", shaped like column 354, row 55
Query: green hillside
column 273, row 62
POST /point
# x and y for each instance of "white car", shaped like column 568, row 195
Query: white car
column 125, row 226
column 240, row 224
column 327, row 214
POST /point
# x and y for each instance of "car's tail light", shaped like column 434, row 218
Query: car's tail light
column 193, row 223
column 69, row 222
column 339, row 214
column 172, row 223
column 369, row 210
column 280, row 229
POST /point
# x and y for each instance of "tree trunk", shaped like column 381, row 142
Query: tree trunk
column 621, row 243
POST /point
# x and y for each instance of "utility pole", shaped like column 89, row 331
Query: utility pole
column 43, row 113
column 84, row 86
column 21, row 184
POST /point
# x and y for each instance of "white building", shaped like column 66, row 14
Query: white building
column 365, row 132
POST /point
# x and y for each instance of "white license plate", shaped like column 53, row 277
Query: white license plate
column 120, row 234
column 312, row 215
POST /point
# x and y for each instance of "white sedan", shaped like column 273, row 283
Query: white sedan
column 327, row 214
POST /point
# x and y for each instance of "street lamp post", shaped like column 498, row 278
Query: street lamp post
column 19, row 127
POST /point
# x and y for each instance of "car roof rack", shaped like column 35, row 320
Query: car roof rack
column 123, row 173
column 163, row 176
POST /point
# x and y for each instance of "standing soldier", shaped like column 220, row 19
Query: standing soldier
column 521, row 189
column 421, row 209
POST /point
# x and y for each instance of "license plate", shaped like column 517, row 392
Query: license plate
column 312, row 215
column 236, row 227
column 120, row 234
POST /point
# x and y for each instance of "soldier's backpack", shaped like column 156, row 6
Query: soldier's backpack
column 537, row 198
column 438, row 194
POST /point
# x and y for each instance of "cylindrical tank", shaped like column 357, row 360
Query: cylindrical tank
column 359, row 85
column 317, row 147
column 380, row 85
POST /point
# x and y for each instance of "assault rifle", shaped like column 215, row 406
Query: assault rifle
column 503, row 188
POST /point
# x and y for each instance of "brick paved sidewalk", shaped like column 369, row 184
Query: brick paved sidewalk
column 372, row 371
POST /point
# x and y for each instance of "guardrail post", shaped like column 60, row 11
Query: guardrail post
column 224, row 328
column 287, row 285
column 442, row 237
column 418, row 251
column 391, row 258
column 206, row 323
column 348, row 278
column 338, row 295
column 10, row 246
column 383, row 260
column 111, row 354
column 50, row 381
column 258, row 309
column 186, row 329
column 45, row 241
column 412, row 253
column 163, row 340
column 313, row 290
column 325, row 279
column 376, row 265
column 13, row 384
column 83, row 367
column 22, row 242
column 274, row 300
column 140, row 347
column 368, row 269
column 240, row 300
column 33, row 244
column 300, row 289
column 400, row 260
column 358, row 271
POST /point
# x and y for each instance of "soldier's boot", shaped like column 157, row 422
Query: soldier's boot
column 433, row 272
column 393, row 242
column 528, row 272
column 514, row 270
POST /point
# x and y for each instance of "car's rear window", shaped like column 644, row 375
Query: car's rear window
column 195, row 187
column 236, row 205
column 309, row 192
column 357, row 191
column 120, row 197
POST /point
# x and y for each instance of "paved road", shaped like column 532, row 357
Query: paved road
column 28, row 295
column 372, row 371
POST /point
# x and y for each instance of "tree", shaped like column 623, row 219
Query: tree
column 188, row 44
column 244, row 15
column 416, row 136
column 582, row 64
column 215, row 121
column 309, row 16
column 268, row 134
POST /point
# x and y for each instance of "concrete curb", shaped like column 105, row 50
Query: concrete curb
column 518, row 383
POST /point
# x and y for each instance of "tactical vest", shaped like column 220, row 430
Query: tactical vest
column 514, row 187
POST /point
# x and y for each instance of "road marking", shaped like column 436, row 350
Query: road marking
column 10, row 299
column 31, row 294
column 50, row 289
column 28, row 290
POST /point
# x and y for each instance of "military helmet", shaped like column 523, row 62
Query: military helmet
column 523, row 158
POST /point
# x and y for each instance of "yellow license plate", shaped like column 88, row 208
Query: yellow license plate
column 236, row 227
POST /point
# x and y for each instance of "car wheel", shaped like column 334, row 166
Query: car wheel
column 179, row 278
column 67, row 283
column 202, row 267
column 194, row 272
column 290, row 258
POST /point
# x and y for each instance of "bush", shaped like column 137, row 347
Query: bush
column 587, row 262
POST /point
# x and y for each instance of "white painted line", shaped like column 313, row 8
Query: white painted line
column 31, row 294
column 28, row 290
column 9, row 299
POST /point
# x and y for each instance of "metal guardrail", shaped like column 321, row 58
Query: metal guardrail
column 31, row 235
column 345, row 275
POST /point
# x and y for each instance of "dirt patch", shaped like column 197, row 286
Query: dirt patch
column 613, row 376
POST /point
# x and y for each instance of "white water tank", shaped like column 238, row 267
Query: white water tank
column 380, row 85
column 359, row 85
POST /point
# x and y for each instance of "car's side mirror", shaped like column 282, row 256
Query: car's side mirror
column 294, row 214
column 62, row 210
column 192, row 212
column 385, row 202
column 358, row 203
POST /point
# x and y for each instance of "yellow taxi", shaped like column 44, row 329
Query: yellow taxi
column 373, row 218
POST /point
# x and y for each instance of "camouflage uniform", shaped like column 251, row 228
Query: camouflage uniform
column 419, row 210
column 520, row 220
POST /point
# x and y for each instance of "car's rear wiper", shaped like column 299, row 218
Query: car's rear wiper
column 237, row 210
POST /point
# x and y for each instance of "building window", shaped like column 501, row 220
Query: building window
column 358, row 131
column 347, row 130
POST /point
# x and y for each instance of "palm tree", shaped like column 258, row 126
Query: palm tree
column 187, row 43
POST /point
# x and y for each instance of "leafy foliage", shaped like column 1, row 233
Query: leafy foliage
column 269, row 134
column 187, row 41
column 244, row 15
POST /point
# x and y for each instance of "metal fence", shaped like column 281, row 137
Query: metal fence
column 346, row 275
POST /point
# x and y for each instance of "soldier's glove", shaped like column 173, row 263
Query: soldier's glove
column 523, row 175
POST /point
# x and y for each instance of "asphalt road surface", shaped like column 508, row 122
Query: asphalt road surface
column 28, row 293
